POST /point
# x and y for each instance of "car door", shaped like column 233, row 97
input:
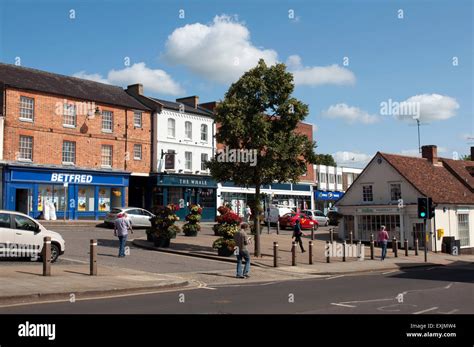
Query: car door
column 7, row 234
column 27, row 235
column 146, row 218
column 321, row 218
column 135, row 217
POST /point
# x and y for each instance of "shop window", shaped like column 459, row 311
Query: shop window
column 26, row 148
column 137, row 119
column 175, row 194
column 85, row 199
column 104, row 199
column 395, row 191
column 206, row 197
column 53, row 193
column 27, row 108
column 367, row 194
column 107, row 121
column 116, row 197
column 339, row 179
column 158, row 196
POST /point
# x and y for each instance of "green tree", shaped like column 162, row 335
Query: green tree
column 259, row 114
column 325, row 159
column 466, row 157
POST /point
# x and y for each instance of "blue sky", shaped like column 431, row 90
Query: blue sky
column 402, row 59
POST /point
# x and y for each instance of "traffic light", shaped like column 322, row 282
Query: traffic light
column 423, row 208
column 431, row 209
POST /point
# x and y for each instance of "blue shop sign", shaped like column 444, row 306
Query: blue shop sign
column 323, row 195
column 70, row 177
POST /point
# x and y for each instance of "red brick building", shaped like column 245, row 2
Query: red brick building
column 71, row 142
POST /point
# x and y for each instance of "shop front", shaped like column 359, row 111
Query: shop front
column 75, row 194
column 295, row 196
column 324, row 200
column 184, row 191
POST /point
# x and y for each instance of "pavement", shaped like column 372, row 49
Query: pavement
column 26, row 283
column 201, row 247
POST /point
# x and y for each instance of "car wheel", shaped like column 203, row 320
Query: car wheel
column 54, row 252
column 327, row 223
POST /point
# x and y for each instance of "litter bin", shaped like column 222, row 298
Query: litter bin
column 447, row 244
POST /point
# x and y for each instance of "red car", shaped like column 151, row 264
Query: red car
column 289, row 220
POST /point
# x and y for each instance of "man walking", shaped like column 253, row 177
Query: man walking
column 297, row 234
column 121, row 227
column 383, row 239
column 241, row 241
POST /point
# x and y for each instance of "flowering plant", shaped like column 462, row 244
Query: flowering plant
column 192, row 226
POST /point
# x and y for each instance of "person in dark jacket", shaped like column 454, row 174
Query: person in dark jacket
column 297, row 234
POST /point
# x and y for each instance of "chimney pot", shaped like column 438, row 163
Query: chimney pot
column 135, row 89
column 430, row 152
column 192, row 101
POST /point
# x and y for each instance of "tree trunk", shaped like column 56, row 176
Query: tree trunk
column 256, row 220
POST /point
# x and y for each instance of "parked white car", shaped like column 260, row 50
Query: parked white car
column 22, row 236
column 139, row 217
column 317, row 215
column 275, row 213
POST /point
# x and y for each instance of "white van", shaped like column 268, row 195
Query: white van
column 22, row 236
column 275, row 213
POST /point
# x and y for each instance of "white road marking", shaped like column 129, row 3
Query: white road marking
column 427, row 310
column 389, row 272
column 450, row 312
column 338, row 276
column 338, row 304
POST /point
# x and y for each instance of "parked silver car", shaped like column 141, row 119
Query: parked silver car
column 139, row 217
column 318, row 215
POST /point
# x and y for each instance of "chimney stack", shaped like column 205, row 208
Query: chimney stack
column 135, row 89
column 430, row 152
column 472, row 153
column 192, row 101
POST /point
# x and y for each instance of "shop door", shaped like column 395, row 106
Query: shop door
column 418, row 229
column 21, row 200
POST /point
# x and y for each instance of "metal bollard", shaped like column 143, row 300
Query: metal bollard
column 46, row 256
column 395, row 247
column 278, row 227
column 359, row 250
column 268, row 227
column 350, row 238
column 416, row 246
column 293, row 253
column 310, row 252
column 405, row 245
column 372, row 246
column 328, row 253
column 312, row 233
column 275, row 254
column 344, row 250
column 93, row 258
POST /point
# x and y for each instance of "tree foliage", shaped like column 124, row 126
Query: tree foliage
column 325, row 159
column 259, row 113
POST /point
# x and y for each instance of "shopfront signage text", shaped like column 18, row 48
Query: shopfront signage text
column 193, row 182
column 70, row 178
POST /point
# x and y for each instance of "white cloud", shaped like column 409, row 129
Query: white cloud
column 319, row 75
column 153, row 80
column 350, row 114
column 92, row 77
column 347, row 158
column 433, row 107
column 220, row 51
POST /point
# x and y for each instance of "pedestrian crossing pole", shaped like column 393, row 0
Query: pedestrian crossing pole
column 425, row 239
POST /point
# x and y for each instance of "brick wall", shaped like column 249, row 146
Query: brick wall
column 49, row 133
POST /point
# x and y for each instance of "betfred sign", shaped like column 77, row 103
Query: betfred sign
column 70, row 178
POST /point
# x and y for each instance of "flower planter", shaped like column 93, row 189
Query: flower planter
column 190, row 233
column 224, row 252
column 161, row 242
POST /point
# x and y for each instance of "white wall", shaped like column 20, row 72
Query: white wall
column 180, row 144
